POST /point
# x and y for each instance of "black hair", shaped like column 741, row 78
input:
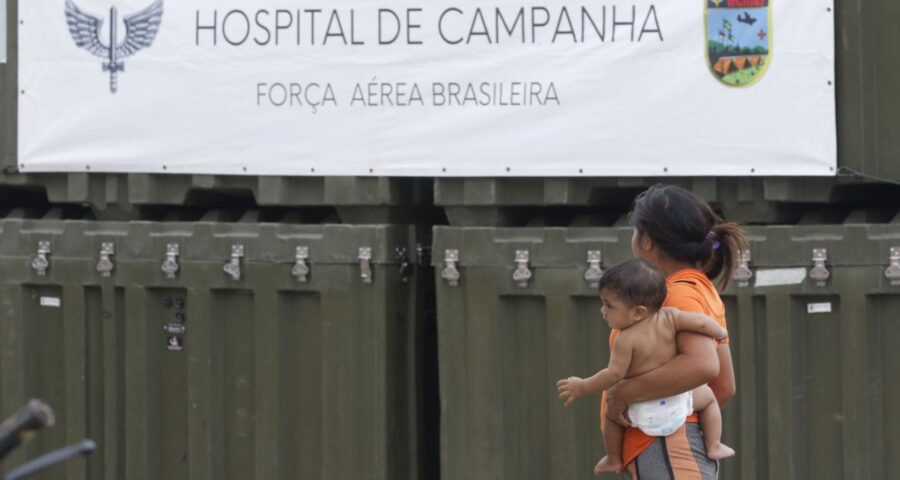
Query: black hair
column 687, row 229
column 637, row 282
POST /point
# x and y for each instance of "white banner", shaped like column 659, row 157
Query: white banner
column 404, row 88
column 2, row 31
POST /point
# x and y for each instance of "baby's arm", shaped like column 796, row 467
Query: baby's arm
column 573, row 388
column 697, row 323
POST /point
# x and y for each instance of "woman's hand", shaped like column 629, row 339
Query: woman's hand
column 616, row 407
column 696, row 364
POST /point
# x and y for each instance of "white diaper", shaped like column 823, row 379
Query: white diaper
column 660, row 418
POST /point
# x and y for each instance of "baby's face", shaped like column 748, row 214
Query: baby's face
column 618, row 314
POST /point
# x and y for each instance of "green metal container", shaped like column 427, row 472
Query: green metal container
column 503, row 346
column 205, row 350
column 516, row 202
column 812, row 355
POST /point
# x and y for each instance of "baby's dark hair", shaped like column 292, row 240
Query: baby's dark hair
column 637, row 282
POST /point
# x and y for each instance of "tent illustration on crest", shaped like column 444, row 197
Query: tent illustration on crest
column 738, row 40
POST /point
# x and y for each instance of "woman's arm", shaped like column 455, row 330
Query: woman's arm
column 723, row 386
column 696, row 364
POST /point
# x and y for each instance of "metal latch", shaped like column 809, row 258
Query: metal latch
column 170, row 264
column 522, row 274
column 105, row 266
column 593, row 273
column 40, row 264
column 301, row 269
column 742, row 273
column 233, row 267
column 819, row 272
column 450, row 273
column 892, row 272
column 365, row 264
column 402, row 257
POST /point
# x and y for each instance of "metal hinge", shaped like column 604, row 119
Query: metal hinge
column 892, row 272
column 233, row 266
column 41, row 263
column 424, row 254
column 105, row 266
column 170, row 264
column 522, row 274
column 819, row 272
column 742, row 273
column 300, row 270
column 402, row 257
column 593, row 273
column 365, row 264
column 450, row 273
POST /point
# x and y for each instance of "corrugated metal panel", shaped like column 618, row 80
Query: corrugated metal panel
column 502, row 348
column 277, row 379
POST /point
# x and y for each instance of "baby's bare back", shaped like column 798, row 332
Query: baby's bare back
column 653, row 342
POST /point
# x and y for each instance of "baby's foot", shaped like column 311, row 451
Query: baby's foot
column 719, row 451
column 607, row 464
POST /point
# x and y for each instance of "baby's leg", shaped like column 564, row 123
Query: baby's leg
column 711, row 421
column 612, row 440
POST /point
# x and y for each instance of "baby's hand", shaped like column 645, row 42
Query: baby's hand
column 570, row 389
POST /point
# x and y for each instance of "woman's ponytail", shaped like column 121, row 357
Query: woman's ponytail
column 725, row 241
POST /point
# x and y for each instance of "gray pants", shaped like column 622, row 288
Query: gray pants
column 682, row 452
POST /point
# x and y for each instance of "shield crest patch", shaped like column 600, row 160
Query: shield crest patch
column 738, row 40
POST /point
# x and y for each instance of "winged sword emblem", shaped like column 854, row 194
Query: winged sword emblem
column 140, row 31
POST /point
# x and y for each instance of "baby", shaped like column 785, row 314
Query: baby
column 633, row 293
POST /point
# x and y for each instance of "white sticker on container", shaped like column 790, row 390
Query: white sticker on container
column 779, row 276
column 824, row 307
column 51, row 302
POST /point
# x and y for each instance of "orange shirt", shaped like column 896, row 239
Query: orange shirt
column 688, row 290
